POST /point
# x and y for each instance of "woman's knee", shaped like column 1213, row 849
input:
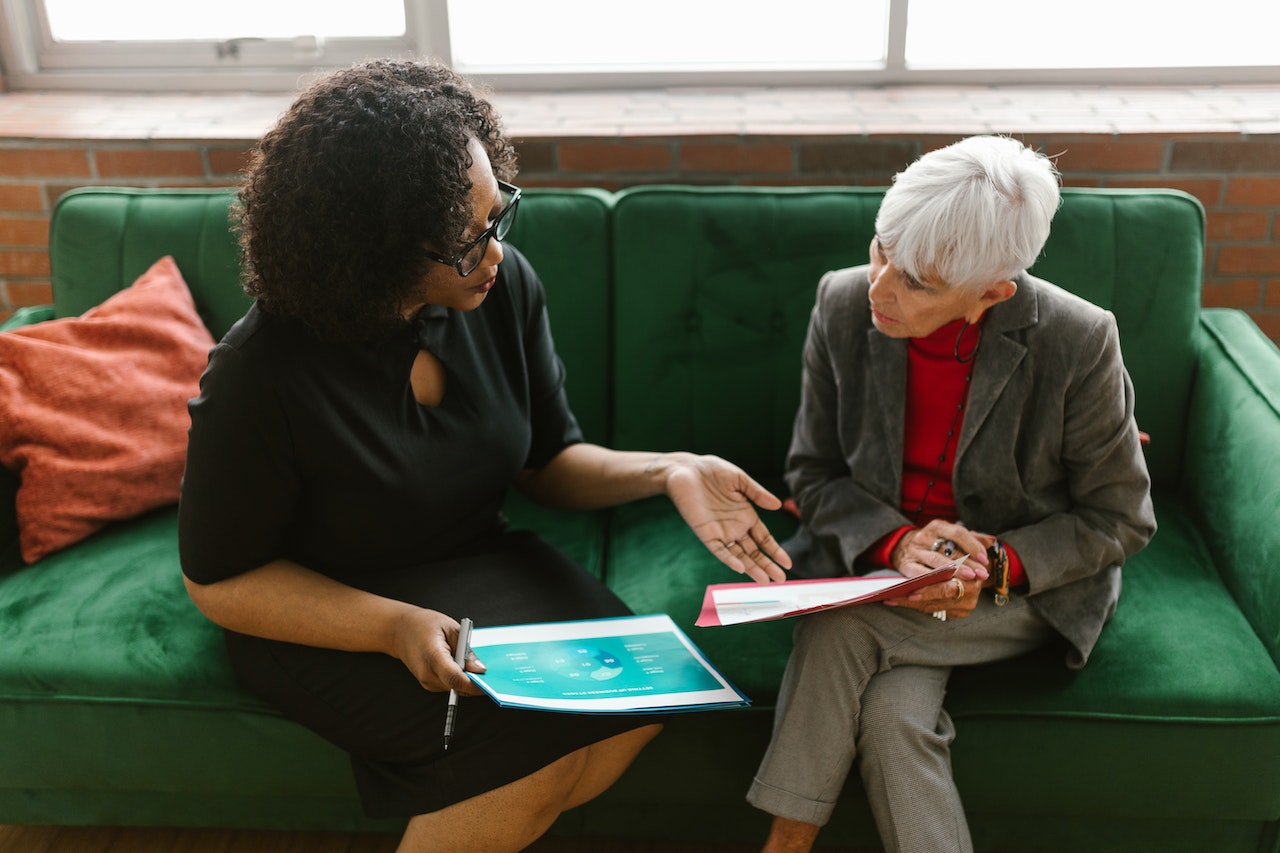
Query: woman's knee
column 836, row 642
column 557, row 782
column 505, row 819
column 606, row 761
column 903, row 706
column 511, row 817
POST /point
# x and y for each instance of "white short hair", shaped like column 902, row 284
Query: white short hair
column 971, row 214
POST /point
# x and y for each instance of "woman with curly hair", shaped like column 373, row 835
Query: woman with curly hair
column 352, row 443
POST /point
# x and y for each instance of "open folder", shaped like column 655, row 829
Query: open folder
column 735, row 603
column 625, row 665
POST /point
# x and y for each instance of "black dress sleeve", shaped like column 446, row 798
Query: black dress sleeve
column 553, row 424
column 240, row 488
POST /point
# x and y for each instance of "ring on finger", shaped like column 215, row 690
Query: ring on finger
column 948, row 548
column 959, row 588
column 937, row 544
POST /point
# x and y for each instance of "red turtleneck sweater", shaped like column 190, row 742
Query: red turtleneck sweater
column 937, row 395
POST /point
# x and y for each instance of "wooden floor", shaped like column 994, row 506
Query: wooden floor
column 52, row 839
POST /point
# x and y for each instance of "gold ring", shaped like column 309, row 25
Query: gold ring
column 959, row 588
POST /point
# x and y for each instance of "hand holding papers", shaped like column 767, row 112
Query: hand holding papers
column 634, row 664
column 735, row 603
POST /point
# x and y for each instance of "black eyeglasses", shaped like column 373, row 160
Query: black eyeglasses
column 473, row 253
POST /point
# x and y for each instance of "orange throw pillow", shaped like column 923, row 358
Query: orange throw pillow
column 93, row 409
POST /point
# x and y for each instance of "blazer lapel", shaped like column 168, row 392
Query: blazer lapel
column 888, row 370
column 998, row 357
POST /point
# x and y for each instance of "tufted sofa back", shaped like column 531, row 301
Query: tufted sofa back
column 713, row 288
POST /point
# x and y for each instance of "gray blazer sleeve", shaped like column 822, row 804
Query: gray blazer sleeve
column 1087, row 498
column 846, row 502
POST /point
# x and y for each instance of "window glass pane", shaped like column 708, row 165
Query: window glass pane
column 139, row 20
column 1090, row 34
column 698, row 35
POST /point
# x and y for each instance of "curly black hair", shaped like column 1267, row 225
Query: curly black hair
column 341, row 197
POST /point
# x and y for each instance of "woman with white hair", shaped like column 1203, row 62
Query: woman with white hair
column 952, row 404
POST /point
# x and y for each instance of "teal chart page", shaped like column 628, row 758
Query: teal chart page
column 630, row 664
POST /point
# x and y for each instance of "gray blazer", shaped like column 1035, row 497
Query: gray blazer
column 1048, row 457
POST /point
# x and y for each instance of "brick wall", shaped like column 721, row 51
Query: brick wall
column 1236, row 176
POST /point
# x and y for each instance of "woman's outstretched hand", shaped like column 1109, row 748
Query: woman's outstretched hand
column 717, row 500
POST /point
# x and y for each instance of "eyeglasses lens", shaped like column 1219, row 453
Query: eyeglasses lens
column 506, row 217
column 475, row 255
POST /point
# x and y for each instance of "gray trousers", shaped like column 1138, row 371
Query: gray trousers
column 867, row 682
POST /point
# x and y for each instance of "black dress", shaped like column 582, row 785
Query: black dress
column 318, row 452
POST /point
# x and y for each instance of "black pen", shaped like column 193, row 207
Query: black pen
column 460, row 658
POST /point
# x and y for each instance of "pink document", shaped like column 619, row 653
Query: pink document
column 735, row 603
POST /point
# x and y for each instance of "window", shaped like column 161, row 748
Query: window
column 162, row 20
column 1090, row 34
column 270, row 44
column 215, row 44
column 691, row 36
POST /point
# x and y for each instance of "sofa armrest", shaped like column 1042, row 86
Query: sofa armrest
column 27, row 316
column 1232, row 482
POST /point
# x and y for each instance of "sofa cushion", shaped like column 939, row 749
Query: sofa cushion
column 119, row 686
column 95, row 409
column 1178, row 687
column 102, row 637
column 714, row 288
column 101, row 239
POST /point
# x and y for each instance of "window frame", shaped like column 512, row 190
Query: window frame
column 33, row 60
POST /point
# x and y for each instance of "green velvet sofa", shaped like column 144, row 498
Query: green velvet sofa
column 680, row 314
